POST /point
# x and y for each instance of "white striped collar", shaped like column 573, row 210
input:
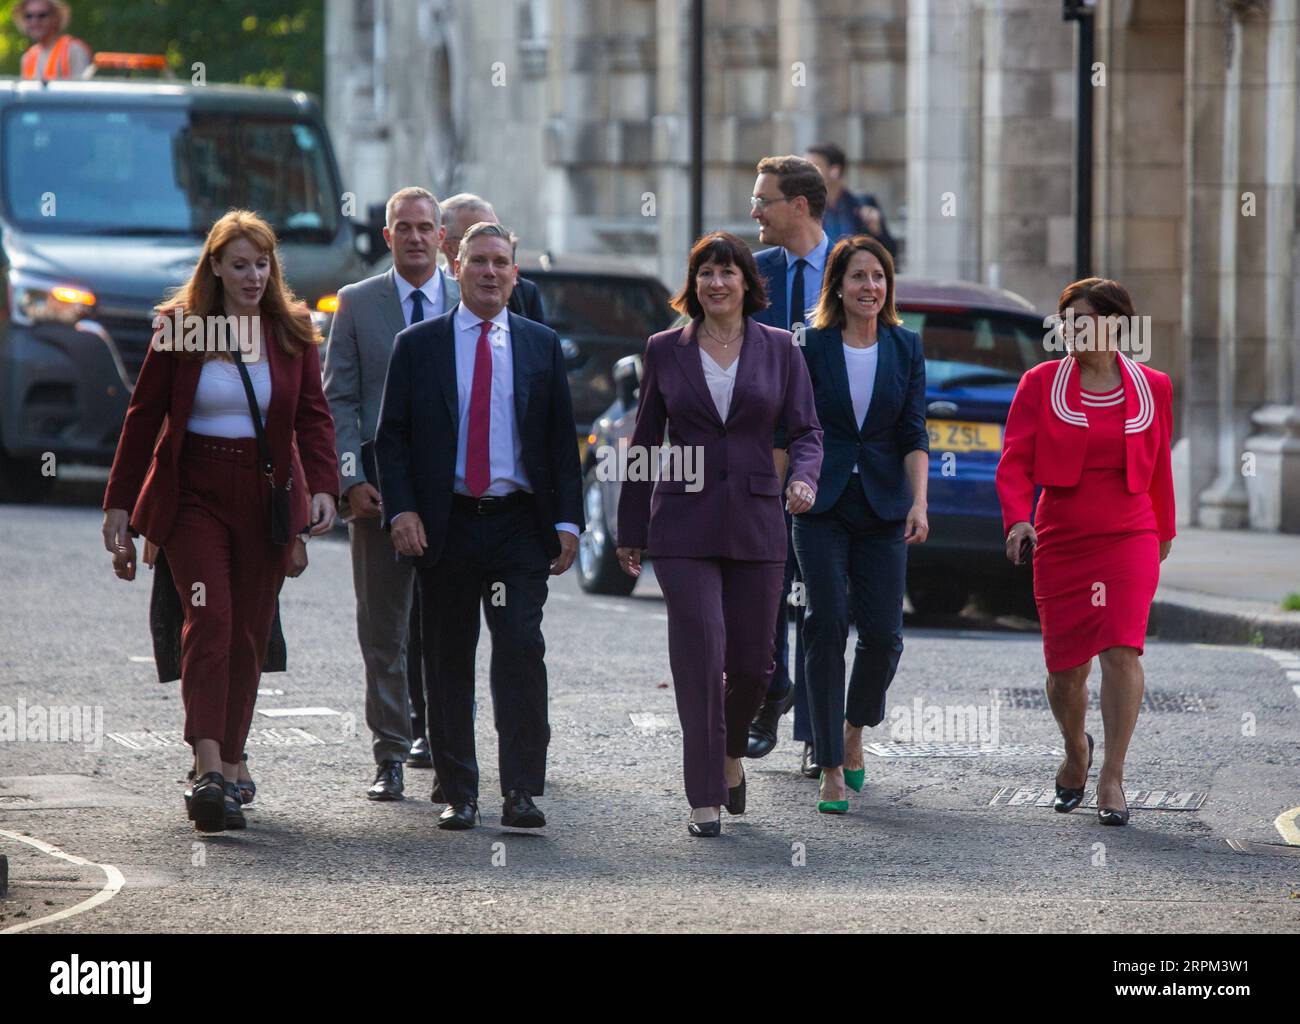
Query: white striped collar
column 1141, row 388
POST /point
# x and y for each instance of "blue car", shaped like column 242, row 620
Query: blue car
column 978, row 341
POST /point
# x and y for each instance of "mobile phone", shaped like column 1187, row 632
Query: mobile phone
column 1026, row 548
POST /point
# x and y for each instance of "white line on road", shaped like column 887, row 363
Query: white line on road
column 112, row 886
column 1296, row 689
column 296, row 712
column 142, row 661
column 1288, row 823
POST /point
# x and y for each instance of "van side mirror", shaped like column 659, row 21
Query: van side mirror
column 627, row 380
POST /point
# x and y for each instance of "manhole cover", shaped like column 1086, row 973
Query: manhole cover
column 1153, row 700
column 1138, row 799
column 290, row 737
column 961, row 750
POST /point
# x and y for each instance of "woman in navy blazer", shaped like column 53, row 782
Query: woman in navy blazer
column 868, row 375
column 721, row 385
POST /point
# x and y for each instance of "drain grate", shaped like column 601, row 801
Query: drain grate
column 961, row 750
column 1138, row 799
column 1153, row 700
column 293, row 737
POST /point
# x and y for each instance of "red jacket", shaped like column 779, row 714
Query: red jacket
column 145, row 478
column 1045, row 438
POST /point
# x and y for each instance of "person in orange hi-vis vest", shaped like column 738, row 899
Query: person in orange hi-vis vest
column 53, row 53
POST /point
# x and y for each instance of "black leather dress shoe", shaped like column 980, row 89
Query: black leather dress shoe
column 762, row 730
column 388, row 782
column 419, row 757
column 807, row 767
column 519, row 811
column 458, row 817
column 736, row 797
column 437, row 796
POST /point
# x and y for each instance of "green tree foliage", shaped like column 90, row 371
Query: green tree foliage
column 281, row 44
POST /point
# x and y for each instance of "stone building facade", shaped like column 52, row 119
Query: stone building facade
column 573, row 117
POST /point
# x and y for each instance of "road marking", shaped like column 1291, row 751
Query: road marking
column 1293, row 675
column 112, row 885
column 142, row 661
column 1288, row 823
column 270, row 693
column 296, row 712
column 1296, row 690
column 648, row 723
column 897, row 748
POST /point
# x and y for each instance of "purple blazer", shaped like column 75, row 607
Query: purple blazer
column 738, row 512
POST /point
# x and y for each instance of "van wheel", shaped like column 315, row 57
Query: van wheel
column 598, row 569
column 935, row 596
column 22, row 482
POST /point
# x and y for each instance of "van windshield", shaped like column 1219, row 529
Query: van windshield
column 164, row 172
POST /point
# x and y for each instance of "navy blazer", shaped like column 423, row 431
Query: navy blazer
column 737, row 510
column 526, row 300
column 415, row 445
column 894, row 426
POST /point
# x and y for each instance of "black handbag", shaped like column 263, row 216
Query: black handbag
column 281, row 520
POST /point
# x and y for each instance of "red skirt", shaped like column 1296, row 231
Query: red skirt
column 1094, row 592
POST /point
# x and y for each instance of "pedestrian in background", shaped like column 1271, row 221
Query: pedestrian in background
column 371, row 314
column 849, row 213
column 461, row 212
column 788, row 202
column 53, row 53
column 868, row 376
column 204, row 470
column 1092, row 430
column 725, row 383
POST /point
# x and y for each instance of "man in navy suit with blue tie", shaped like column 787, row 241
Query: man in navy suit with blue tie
column 477, row 455
column 788, row 202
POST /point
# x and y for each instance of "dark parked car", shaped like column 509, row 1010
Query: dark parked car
column 978, row 341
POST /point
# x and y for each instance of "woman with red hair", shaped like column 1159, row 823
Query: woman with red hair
column 1092, row 430
column 224, row 456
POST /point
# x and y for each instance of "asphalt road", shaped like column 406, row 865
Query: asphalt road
column 926, row 846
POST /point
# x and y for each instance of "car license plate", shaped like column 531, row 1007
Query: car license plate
column 959, row 436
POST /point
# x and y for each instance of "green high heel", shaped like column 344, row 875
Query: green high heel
column 830, row 806
column 854, row 778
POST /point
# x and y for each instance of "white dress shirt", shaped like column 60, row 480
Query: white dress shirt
column 812, row 276
column 431, row 291
column 506, row 471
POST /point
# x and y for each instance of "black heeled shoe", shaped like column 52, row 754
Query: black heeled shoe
column 208, row 803
column 1110, row 816
column 1068, row 799
column 705, row 829
column 736, row 797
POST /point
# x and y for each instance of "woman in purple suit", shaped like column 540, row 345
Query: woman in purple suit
column 721, row 385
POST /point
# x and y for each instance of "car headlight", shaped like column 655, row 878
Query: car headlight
column 34, row 300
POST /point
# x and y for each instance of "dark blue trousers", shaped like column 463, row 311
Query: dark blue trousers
column 849, row 545
column 781, row 677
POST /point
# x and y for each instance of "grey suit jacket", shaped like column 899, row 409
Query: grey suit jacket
column 369, row 317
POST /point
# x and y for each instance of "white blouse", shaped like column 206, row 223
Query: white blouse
column 220, row 402
column 721, row 382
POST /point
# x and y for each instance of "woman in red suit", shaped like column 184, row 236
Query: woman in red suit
column 1092, row 430
column 188, row 477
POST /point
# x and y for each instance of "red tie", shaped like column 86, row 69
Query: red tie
column 477, row 471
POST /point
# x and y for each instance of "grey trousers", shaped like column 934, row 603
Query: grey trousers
column 383, row 582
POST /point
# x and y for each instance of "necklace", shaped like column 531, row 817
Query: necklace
column 725, row 344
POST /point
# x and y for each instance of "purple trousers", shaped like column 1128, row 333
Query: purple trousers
column 719, row 621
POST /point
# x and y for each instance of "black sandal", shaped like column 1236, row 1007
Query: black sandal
column 233, row 807
column 1068, row 799
column 247, row 787
column 208, row 803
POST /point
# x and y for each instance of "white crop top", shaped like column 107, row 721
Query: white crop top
column 220, row 403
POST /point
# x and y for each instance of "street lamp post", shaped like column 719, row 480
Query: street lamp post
column 697, row 119
column 1083, row 12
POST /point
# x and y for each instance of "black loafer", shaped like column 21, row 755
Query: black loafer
column 1068, row 799
column 519, row 811
column 807, row 768
column 736, row 797
column 459, row 817
column 419, row 757
column 762, row 730
column 208, row 803
column 705, row 829
column 388, row 782
column 234, row 807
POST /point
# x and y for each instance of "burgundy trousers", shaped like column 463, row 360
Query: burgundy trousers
column 720, row 615
column 228, row 574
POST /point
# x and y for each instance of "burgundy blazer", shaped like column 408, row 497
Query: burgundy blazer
column 145, row 479
column 738, row 512
column 1046, row 438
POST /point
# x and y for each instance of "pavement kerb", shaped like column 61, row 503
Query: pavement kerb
column 1208, row 618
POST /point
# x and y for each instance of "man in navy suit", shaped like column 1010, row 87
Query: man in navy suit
column 788, row 201
column 481, row 486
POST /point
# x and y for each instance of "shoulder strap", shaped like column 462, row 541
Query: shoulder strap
column 263, row 447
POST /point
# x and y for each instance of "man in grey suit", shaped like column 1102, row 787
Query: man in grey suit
column 370, row 315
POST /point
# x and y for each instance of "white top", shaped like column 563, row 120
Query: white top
column 721, row 382
column 431, row 292
column 861, row 364
column 220, row 402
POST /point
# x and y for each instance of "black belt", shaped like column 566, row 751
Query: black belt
column 487, row 505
